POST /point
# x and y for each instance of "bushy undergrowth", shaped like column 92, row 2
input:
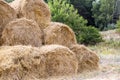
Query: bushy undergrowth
column 118, row 25
column 89, row 35
column 64, row 12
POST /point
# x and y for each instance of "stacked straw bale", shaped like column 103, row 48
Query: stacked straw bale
column 22, row 32
column 21, row 63
column 26, row 62
column 34, row 27
column 60, row 60
column 7, row 13
column 58, row 33
column 87, row 59
column 33, row 9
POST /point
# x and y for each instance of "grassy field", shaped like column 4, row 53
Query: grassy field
column 107, row 47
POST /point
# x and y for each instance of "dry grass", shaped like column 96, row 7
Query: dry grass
column 33, row 9
column 22, row 32
column 111, row 35
column 107, row 47
column 58, row 33
column 111, row 44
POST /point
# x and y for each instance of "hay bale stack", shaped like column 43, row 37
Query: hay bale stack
column 60, row 60
column 58, row 33
column 30, row 63
column 21, row 63
column 33, row 9
column 87, row 59
column 7, row 13
column 22, row 32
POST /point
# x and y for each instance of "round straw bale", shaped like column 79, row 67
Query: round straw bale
column 60, row 60
column 87, row 59
column 33, row 9
column 30, row 63
column 21, row 63
column 58, row 33
column 7, row 13
column 22, row 32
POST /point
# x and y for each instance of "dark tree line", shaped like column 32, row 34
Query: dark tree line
column 84, row 9
column 99, row 13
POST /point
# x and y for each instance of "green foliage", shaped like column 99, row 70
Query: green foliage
column 64, row 12
column 103, row 12
column 110, row 27
column 89, row 35
column 9, row 0
column 118, row 25
column 84, row 9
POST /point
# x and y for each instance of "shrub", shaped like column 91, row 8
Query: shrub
column 64, row 12
column 118, row 25
column 89, row 35
column 110, row 27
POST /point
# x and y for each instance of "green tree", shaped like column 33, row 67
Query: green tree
column 9, row 0
column 84, row 9
column 45, row 0
column 89, row 35
column 103, row 12
column 64, row 12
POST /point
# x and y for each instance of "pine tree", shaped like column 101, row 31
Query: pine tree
column 63, row 11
